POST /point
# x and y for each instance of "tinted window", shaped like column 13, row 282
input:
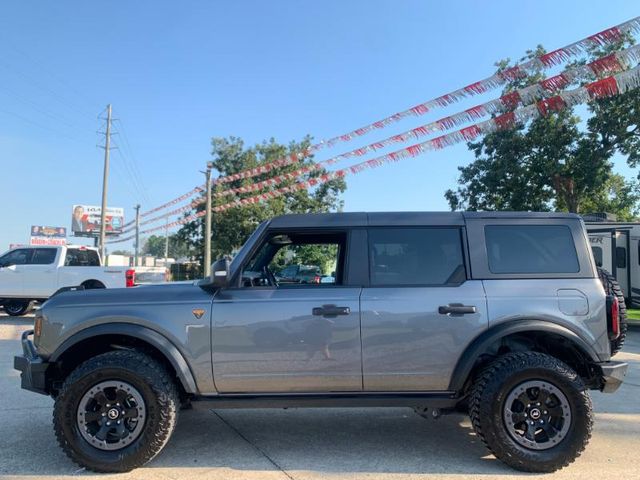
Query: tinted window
column 82, row 258
column 621, row 257
column 531, row 249
column 415, row 256
column 597, row 254
column 43, row 256
column 16, row 257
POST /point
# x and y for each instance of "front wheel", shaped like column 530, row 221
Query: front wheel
column 116, row 411
column 532, row 412
column 17, row 308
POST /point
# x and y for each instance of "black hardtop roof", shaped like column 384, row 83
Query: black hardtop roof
column 363, row 219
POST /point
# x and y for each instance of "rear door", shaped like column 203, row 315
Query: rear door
column 274, row 334
column 420, row 310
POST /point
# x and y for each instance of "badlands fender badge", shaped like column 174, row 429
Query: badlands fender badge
column 198, row 312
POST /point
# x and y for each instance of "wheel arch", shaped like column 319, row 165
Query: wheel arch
column 93, row 283
column 532, row 330
column 125, row 335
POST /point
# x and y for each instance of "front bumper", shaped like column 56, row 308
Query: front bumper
column 32, row 368
column 612, row 375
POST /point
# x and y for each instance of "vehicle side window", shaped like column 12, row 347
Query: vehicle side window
column 531, row 249
column 93, row 259
column 81, row 258
column 597, row 254
column 43, row 256
column 16, row 257
column 621, row 257
column 297, row 259
column 415, row 256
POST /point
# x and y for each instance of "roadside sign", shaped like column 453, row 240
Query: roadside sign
column 85, row 220
column 45, row 235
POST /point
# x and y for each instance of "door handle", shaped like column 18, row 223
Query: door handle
column 330, row 311
column 456, row 309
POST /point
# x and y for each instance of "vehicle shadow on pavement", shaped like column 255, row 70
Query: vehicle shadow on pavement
column 389, row 440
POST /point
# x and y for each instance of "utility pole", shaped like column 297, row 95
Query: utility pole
column 137, row 250
column 207, row 224
column 166, row 240
column 105, row 182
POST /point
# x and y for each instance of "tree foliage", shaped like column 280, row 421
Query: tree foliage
column 155, row 246
column 231, row 227
column 557, row 161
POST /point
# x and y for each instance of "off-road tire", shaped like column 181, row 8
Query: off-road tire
column 612, row 287
column 161, row 400
column 489, row 394
column 18, row 308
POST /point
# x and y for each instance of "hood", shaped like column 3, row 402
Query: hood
column 140, row 294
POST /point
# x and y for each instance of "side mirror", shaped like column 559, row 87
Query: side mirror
column 220, row 273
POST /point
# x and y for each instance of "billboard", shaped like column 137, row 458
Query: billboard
column 85, row 220
column 42, row 235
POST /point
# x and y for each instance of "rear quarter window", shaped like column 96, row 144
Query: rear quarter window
column 535, row 249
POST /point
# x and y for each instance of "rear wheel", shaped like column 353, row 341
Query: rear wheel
column 612, row 287
column 17, row 308
column 532, row 411
column 116, row 411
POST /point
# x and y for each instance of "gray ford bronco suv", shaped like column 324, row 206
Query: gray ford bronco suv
column 498, row 314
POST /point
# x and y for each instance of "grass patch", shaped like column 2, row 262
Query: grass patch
column 633, row 314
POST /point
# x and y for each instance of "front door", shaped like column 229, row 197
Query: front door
column 281, row 333
column 11, row 272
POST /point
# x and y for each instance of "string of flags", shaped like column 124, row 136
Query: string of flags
column 606, row 37
column 606, row 87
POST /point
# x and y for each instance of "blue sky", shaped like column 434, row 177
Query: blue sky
column 178, row 73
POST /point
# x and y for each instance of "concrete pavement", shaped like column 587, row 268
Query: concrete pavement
column 390, row 443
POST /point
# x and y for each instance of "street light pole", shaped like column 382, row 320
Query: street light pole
column 105, row 181
column 207, row 224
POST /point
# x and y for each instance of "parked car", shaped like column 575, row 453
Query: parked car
column 33, row 273
column 300, row 274
column 500, row 314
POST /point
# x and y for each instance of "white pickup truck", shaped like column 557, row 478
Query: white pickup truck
column 30, row 274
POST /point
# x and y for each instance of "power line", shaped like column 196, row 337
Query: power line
column 134, row 163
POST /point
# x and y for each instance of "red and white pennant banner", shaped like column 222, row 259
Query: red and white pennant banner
column 606, row 87
column 609, row 64
column 555, row 57
column 175, row 201
column 548, row 60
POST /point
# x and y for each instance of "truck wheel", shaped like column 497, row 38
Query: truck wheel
column 532, row 411
column 612, row 287
column 17, row 308
column 116, row 411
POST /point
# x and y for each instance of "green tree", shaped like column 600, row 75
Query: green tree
column 556, row 162
column 618, row 196
column 155, row 245
column 231, row 227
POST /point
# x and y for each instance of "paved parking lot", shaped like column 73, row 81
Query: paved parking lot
column 290, row 444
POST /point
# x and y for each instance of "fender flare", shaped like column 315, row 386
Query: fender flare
column 473, row 351
column 140, row 332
